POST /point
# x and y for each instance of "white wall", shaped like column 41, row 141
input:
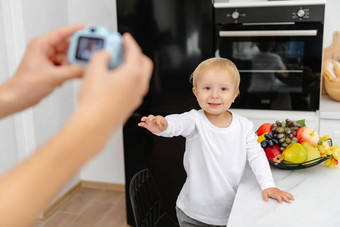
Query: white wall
column 8, row 148
column 332, row 21
column 19, row 135
column 109, row 165
column 45, row 119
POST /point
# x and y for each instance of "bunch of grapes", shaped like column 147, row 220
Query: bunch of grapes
column 270, row 140
column 285, row 132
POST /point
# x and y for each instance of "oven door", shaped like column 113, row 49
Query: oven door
column 279, row 65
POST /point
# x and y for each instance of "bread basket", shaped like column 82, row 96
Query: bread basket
column 331, row 75
column 331, row 69
column 332, row 88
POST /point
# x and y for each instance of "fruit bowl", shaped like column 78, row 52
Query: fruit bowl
column 292, row 166
column 304, row 165
column 293, row 145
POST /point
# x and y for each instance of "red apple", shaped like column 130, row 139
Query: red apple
column 273, row 153
column 307, row 134
column 264, row 128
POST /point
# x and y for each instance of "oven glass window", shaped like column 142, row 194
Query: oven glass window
column 272, row 66
column 281, row 73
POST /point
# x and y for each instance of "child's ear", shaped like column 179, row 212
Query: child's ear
column 237, row 93
column 194, row 91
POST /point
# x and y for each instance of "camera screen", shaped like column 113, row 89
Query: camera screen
column 87, row 46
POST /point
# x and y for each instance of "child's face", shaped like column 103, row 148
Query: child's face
column 215, row 91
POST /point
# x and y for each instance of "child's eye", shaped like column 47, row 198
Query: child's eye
column 224, row 89
column 206, row 88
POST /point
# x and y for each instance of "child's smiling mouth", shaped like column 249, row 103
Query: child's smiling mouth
column 214, row 104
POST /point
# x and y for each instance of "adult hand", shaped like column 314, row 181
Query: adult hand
column 43, row 67
column 120, row 91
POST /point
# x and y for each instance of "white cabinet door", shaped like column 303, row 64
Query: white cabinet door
column 332, row 128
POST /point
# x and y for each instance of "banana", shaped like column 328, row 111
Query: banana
column 328, row 162
column 325, row 150
column 325, row 138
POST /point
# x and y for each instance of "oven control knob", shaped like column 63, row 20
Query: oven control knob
column 235, row 15
column 301, row 13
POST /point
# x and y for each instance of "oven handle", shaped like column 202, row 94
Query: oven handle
column 268, row 33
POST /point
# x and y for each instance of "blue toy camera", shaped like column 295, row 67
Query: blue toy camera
column 91, row 39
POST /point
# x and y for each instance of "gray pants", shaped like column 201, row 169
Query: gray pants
column 185, row 221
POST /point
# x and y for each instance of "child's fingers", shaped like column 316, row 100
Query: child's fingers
column 286, row 199
column 143, row 118
column 141, row 124
column 279, row 199
column 150, row 118
column 147, row 119
column 265, row 196
column 163, row 122
column 290, row 196
column 160, row 121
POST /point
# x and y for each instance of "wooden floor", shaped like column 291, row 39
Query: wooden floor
column 87, row 207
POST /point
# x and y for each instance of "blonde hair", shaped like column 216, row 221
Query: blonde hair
column 216, row 64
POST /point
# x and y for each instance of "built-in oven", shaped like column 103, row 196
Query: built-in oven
column 277, row 48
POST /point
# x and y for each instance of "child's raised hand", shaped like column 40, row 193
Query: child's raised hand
column 154, row 124
column 277, row 194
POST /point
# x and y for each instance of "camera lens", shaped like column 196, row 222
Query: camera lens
column 92, row 29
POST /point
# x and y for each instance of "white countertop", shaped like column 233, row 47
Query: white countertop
column 317, row 200
column 329, row 109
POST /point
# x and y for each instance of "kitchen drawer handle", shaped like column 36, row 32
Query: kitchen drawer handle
column 268, row 33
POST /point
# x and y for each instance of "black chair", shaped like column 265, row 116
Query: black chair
column 147, row 205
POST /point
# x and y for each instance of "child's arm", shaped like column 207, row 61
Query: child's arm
column 277, row 194
column 260, row 166
column 154, row 124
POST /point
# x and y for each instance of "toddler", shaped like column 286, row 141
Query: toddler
column 218, row 143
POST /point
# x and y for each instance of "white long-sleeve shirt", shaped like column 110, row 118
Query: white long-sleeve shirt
column 214, row 161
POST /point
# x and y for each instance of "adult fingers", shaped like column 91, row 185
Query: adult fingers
column 60, row 34
column 99, row 61
column 146, row 69
column 134, row 55
column 67, row 72
column 132, row 49
column 139, row 65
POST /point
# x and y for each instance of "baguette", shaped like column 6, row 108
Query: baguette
column 329, row 69
column 336, row 69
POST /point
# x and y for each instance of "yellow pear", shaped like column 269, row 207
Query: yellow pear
column 294, row 153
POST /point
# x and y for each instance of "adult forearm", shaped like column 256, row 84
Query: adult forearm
column 28, row 188
column 9, row 102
